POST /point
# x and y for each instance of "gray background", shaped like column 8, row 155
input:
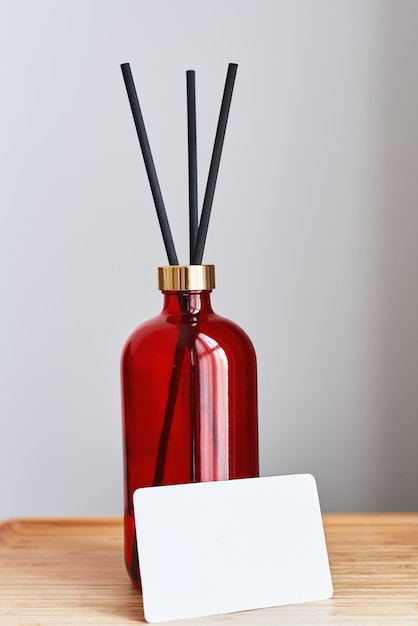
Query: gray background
column 313, row 232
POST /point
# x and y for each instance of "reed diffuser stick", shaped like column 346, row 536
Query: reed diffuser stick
column 185, row 339
column 149, row 164
column 192, row 150
column 214, row 164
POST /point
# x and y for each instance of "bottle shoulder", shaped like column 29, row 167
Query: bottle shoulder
column 224, row 326
column 148, row 329
column 163, row 330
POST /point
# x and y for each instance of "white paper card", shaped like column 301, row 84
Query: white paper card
column 221, row 547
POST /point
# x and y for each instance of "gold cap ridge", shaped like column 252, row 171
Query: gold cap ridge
column 186, row 277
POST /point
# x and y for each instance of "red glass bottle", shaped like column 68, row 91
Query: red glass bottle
column 189, row 387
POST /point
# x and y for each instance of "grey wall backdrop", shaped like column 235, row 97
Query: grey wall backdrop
column 313, row 232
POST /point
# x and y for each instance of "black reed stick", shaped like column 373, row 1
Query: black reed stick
column 149, row 164
column 184, row 339
column 191, row 133
column 214, row 164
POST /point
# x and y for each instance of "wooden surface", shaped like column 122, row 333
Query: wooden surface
column 71, row 572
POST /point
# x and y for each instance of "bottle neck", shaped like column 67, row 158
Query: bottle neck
column 187, row 302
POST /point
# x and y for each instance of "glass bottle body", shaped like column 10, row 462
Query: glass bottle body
column 189, row 386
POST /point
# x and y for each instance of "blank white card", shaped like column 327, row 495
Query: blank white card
column 221, row 547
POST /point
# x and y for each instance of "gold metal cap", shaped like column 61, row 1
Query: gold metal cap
column 186, row 277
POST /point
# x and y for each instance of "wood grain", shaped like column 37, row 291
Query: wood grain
column 71, row 571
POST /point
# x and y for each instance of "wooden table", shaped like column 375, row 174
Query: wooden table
column 70, row 571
